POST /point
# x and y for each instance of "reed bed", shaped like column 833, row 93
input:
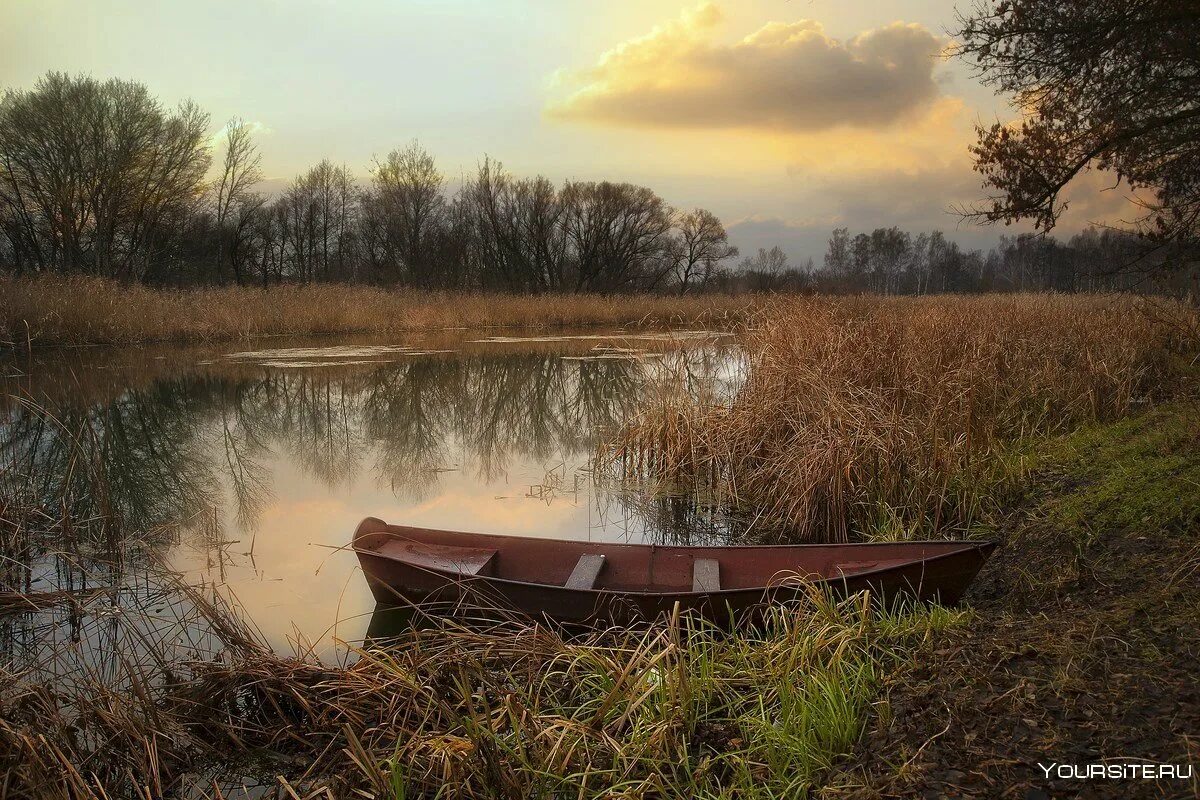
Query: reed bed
column 123, row 682
column 899, row 417
column 674, row 710
column 79, row 311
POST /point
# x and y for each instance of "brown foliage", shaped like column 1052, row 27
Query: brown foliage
column 887, row 417
column 57, row 311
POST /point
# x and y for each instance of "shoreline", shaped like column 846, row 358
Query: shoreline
column 1067, row 428
column 56, row 312
column 1083, row 646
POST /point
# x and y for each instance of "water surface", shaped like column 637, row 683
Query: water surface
column 247, row 467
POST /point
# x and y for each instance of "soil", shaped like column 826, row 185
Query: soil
column 1084, row 645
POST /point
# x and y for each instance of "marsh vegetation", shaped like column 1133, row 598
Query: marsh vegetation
column 844, row 419
column 893, row 418
column 82, row 311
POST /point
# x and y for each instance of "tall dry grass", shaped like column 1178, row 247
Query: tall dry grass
column 891, row 417
column 676, row 710
column 75, row 311
column 131, row 684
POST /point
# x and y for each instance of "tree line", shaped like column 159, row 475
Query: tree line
column 894, row 261
column 96, row 177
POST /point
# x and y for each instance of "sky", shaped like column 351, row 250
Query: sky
column 786, row 118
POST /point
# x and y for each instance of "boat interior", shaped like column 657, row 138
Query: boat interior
column 622, row 567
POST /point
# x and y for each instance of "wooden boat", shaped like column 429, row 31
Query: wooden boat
column 577, row 581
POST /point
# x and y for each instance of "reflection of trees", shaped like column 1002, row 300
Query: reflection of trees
column 77, row 485
column 480, row 413
column 172, row 452
column 168, row 456
column 410, row 412
column 167, row 453
column 538, row 407
column 134, row 461
column 315, row 417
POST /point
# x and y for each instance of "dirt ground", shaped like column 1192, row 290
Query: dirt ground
column 1084, row 648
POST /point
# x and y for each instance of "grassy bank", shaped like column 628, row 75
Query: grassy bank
column 78, row 311
column 902, row 418
column 674, row 710
column 1083, row 645
column 1043, row 421
column 1067, row 428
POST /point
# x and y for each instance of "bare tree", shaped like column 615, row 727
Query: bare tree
column 95, row 177
column 838, row 258
column 407, row 194
column 701, row 244
column 889, row 250
column 235, row 203
column 620, row 235
column 318, row 219
column 520, row 230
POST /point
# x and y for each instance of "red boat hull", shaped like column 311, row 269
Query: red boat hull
column 409, row 566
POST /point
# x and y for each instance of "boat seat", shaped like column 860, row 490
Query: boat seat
column 443, row 557
column 586, row 571
column 706, row 575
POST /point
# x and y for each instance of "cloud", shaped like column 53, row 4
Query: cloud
column 917, row 200
column 920, row 199
column 256, row 129
column 784, row 76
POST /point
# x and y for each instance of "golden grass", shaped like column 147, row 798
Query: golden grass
column 151, row 688
column 76, row 311
column 679, row 709
column 890, row 417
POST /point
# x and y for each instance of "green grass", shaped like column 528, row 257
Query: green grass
column 684, row 710
column 1138, row 474
column 1116, row 490
column 1085, row 635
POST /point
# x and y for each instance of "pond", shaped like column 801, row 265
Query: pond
column 247, row 467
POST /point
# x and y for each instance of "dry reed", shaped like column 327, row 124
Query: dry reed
column 678, row 709
column 890, row 417
column 152, row 688
column 77, row 311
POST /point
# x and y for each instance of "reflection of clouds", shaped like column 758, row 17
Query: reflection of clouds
column 251, row 480
column 295, row 580
column 493, row 508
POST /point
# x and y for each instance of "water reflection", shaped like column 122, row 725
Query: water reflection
column 251, row 472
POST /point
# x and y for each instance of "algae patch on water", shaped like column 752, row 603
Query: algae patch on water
column 332, row 356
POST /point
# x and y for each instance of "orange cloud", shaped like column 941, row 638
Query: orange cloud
column 784, row 76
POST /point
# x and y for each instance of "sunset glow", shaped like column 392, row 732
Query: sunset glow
column 785, row 119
